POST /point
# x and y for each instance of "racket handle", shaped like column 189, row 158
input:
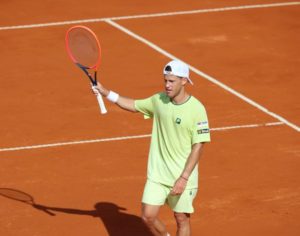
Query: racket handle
column 99, row 99
column 101, row 104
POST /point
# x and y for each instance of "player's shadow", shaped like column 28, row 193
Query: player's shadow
column 117, row 222
column 115, row 219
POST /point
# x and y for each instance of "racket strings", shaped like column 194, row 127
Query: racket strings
column 84, row 47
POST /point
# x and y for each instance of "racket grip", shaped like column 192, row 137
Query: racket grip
column 100, row 100
column 101, row 104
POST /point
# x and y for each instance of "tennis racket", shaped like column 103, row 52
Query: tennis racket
column 84, row 50
column 22, row 197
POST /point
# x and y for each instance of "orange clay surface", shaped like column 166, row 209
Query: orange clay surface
column 249, row 177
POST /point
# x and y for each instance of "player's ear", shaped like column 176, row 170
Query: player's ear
column 184, row 80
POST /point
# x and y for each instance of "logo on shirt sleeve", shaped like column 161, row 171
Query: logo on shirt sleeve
column 203, row 131
column 202, row 124
column 202, row 127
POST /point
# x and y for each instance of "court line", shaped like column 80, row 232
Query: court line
column 202, row 74
column 222, row 9
column 39, row 146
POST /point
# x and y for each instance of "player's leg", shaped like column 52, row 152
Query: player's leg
column 183, row 224
column 150, row 217
column 154, row 197
column 182, row 205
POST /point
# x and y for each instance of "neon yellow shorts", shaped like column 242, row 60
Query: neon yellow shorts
column 159, row 194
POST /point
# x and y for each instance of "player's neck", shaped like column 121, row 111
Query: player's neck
column 180, row 98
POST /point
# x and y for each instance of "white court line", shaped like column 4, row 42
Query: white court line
column 126, row 138
column 234, row 8
column 202, row 74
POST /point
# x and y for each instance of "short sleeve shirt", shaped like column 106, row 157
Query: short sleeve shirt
column 175, row 129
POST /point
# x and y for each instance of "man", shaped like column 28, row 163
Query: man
column 180, row 129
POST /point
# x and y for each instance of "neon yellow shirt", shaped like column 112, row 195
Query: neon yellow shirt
column 175, row 129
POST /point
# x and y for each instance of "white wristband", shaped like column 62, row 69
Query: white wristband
column 112, row 96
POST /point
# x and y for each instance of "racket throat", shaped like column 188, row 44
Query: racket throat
column 85, row 70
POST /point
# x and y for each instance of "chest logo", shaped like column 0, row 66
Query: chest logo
column 178, row 121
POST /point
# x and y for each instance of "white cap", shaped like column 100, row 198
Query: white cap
column 177, row 68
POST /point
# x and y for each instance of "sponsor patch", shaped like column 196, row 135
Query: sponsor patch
column 203, row 131
column 202, row 124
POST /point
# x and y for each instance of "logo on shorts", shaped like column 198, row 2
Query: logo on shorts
column 178, row 121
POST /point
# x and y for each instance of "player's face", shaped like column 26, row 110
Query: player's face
column 173, row 85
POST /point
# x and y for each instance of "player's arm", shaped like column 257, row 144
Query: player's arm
column 190, row 165
column 123, row 102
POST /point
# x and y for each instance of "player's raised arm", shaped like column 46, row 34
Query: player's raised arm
column 123, row 102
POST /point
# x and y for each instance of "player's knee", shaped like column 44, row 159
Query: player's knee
column 148, row 216
column 148, row 219
column 182, row 219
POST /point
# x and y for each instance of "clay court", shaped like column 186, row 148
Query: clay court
column 89, row 169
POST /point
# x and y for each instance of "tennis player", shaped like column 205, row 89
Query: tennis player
column 180, row 129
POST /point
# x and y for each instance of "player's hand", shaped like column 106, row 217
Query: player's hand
column 179, row 186
column 97, row 89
